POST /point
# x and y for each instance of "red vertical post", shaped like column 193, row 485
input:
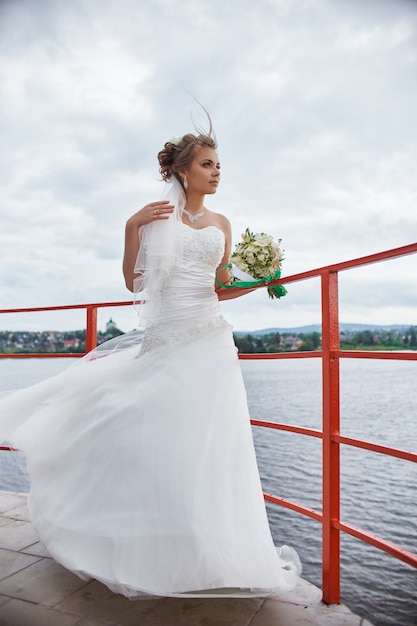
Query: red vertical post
column 91, row 331
column 331, row 426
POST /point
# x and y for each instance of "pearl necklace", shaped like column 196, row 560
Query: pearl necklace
column 193, row 218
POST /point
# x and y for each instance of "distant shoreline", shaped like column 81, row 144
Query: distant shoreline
column 271, row 340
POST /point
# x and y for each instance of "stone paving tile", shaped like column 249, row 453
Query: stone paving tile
column 19, row 512
column 37, row 549
column 284, row 615
column 21, row 613
column 17, row 535
column 96, row 601
column 4, row 599
column 12, row 562
column 210, row 611
column 10, row 500
column 273, row 613
column 94, row 622
column 45, row 582
column 304, row 594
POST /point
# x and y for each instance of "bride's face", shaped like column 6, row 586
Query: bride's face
column 203, row 175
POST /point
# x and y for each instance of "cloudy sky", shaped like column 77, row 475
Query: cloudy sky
column 314, row 105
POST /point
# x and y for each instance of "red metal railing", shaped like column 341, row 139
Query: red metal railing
column 330, row 355
column 91, row 327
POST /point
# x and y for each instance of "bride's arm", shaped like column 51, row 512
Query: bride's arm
column 131, row 251
column 229, row 294
column 224, row 275
column 160, row 210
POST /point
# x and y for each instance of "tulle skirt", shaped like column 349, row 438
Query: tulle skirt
column 144, row 476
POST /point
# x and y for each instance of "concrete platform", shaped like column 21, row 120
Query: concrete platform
column 37, row 591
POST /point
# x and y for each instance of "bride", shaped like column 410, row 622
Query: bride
column 142, row 466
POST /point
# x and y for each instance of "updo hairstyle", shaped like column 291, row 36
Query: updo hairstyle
column 177, row 154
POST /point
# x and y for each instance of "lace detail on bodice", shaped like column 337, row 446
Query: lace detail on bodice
column 190, row 307
column 204, row 246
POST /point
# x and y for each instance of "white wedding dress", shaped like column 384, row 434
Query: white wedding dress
column 142, row 466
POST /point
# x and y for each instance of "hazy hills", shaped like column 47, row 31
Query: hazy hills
column 316, row 328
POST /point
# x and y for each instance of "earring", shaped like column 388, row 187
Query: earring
column 185, row 182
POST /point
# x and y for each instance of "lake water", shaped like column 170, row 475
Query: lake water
column 378, row 403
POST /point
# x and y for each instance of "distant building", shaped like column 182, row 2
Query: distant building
column 71, row 343
column 110, row 332
column 111, row 325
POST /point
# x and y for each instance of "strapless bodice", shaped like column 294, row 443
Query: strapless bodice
column 202, row 247
column 189, row 304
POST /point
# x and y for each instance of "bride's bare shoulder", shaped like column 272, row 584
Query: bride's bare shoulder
column 221, row 221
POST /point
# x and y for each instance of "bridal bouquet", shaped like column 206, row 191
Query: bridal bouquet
column 258, row 257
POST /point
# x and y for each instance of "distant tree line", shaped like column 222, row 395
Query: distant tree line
column 398, row 339
column 401, row 339
column 277, row 342
column 62, row 342
column 12, row 342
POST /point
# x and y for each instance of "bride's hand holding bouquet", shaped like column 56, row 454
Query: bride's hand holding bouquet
column 256, row 260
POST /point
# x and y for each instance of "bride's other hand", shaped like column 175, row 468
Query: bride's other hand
column 160, row 210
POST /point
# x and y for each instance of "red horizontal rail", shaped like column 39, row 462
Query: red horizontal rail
column 378, row 354
column 265, row 356
column 344, row 354
column 42, row 355
column 375, row 447
column 311, row 432
column 67, row 307
column 244, row 356
column 381, row 544
column 298, row 508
